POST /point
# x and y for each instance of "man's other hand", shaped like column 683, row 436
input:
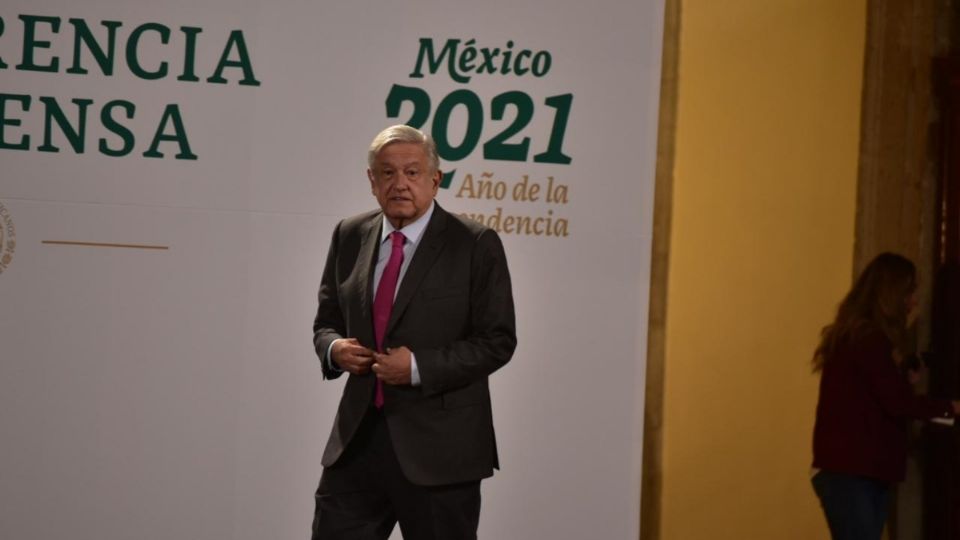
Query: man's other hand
column 393, row 367
column 351, row 356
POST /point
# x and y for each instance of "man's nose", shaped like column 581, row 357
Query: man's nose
column 403, row 182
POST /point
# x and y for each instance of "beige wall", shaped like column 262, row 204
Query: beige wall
column 761, row 249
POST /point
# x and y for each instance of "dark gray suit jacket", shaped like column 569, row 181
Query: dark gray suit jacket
column 454, row 310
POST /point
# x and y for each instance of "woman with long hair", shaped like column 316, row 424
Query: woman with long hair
column 866, row 402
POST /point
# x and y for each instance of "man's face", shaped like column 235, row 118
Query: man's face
column 403, row 182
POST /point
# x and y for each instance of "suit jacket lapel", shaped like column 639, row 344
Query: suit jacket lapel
column 423, row 259
column 366, row 264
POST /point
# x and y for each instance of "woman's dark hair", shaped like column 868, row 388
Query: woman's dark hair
column 878, row 300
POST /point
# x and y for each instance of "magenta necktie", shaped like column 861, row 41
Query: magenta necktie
column 383, row 301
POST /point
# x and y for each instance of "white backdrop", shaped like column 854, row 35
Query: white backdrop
column 169, row 390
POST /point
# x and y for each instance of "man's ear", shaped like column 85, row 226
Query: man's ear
column 437, row 176
column 373, row 187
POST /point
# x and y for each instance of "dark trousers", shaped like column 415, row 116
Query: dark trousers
column 856, row 507
column 365, row 494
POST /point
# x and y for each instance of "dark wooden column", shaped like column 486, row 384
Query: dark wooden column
column 942, row 471
column 651, row 483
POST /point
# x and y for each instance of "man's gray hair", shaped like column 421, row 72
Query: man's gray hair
column 403, row 134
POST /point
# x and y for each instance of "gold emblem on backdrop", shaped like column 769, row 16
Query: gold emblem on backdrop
column 8, row 238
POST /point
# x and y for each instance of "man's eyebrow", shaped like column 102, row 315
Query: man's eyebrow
column 402, row 166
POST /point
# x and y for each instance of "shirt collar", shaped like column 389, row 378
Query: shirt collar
column 412, row 231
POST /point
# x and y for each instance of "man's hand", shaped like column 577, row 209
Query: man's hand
column 393, row 367
column 351, row 356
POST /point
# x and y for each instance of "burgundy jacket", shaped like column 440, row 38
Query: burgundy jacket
column 863, row 411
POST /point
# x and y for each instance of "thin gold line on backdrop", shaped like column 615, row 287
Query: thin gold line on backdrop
column 102, row 244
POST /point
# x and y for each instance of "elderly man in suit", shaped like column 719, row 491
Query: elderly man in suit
column 415, row 304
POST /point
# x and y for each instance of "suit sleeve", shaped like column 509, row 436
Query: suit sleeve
column 328, row 324
column 890, row 389
column 491, row 338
